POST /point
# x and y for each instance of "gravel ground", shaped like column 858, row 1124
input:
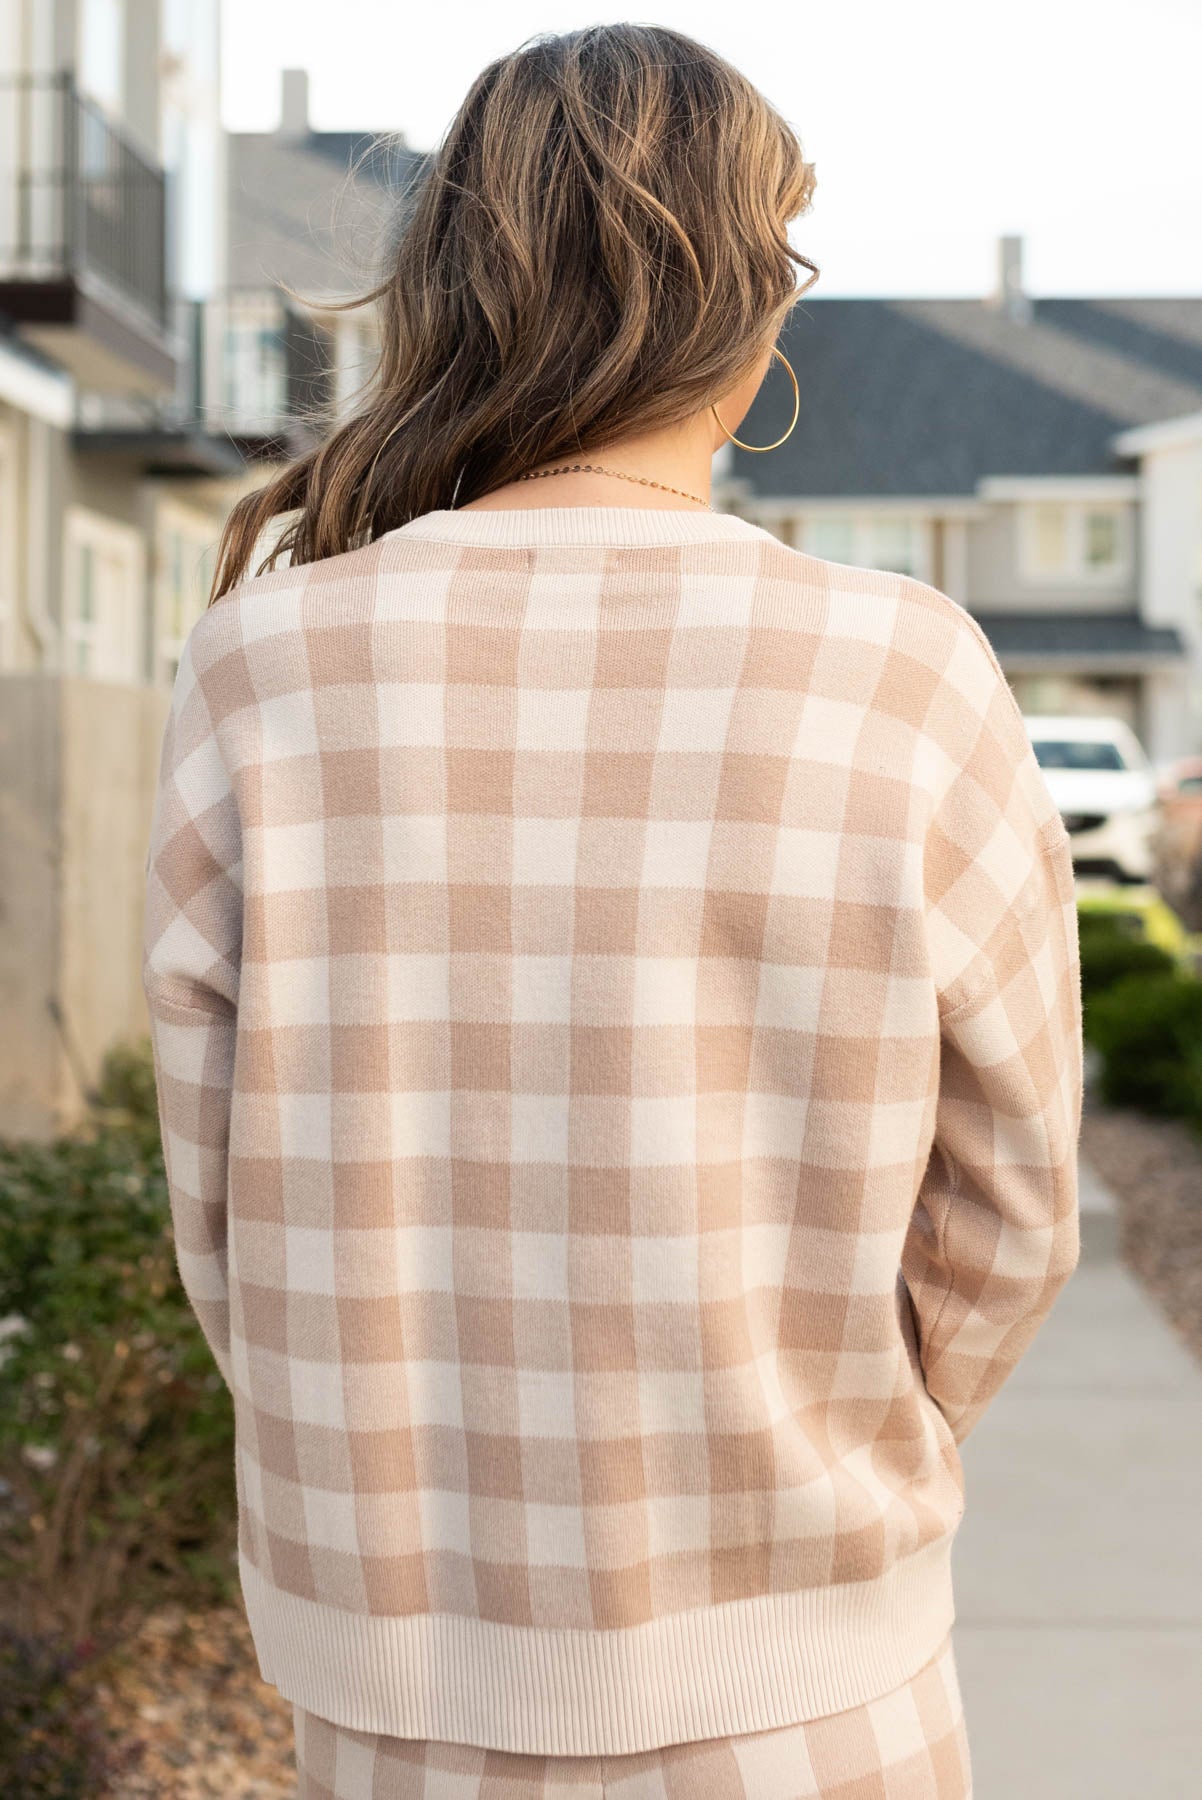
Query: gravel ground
column 186, row 1686
column 1154, row 1167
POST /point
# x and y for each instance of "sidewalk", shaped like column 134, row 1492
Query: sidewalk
column 1078, row 1565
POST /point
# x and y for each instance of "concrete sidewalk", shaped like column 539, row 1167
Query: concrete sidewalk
column 1078, row 1565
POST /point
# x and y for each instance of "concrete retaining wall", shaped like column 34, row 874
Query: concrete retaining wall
column 78, row 766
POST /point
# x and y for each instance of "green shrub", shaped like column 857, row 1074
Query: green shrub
column 125, row 1095
column 1112, row 920
column 1148, row 1032
column 1109, row 956
column 116, row 1430
column 53, row 1743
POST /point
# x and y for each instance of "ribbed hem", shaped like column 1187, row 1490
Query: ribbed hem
column 523, row 526
column 746, row 1665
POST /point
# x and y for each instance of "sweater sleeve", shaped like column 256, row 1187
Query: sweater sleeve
column 191, row 944
column 995, row 1230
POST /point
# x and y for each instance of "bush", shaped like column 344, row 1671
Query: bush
column 1148, row 1031
column 1114, row 944
column 116, row 1429
column 1117, row 921
column 53, row 1744
column 1108, row 956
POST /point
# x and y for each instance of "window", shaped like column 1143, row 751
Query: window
column 8, row 548
column 187, row 553
column 893, row 544
column 834, row 539
column 1198, row 549
column 1101, row 539
column 1055, row 753
column 85, row 644
column 103, row 613
column 869, row 540
column 255, row 364
column 1073, row 541
column 1051, row 537
column 357, row 349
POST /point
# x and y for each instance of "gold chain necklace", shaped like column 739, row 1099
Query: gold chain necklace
column 596, row 469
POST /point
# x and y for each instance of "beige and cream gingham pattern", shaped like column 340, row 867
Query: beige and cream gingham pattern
column 614, row 989
column 910, row 1744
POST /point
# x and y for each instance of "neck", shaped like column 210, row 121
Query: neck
column 677, row 456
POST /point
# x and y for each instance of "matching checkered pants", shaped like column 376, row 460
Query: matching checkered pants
column 910, row 1744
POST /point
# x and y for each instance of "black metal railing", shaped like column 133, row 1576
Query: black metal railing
column 77, row 195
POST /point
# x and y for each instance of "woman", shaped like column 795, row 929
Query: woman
column 614, row 992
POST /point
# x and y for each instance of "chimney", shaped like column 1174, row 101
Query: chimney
column 1009, row 294
column 294, row 103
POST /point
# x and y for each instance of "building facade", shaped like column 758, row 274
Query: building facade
column 166, row 341
column 111, row 230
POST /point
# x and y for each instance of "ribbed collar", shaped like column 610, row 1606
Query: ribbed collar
column 579, row 525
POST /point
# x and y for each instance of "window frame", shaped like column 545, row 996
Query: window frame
column 115, row 645
column 199, row 536
column 9, row 516
column 1076, row 570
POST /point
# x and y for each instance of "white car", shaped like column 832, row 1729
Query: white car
column 1101, row 779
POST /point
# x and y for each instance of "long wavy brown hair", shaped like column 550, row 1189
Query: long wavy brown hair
column 597, row 248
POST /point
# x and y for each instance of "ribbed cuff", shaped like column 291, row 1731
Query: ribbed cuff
column 746, row 1665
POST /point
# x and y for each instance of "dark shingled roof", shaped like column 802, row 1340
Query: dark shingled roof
column 898, row 397
column 1081, row 637
column 927, row 396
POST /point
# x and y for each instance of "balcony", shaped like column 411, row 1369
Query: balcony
column 83, row 238
column 257, row 384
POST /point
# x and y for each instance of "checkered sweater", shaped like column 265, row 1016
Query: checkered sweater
column 614, row 992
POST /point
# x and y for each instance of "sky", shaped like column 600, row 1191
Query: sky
column 935, row 127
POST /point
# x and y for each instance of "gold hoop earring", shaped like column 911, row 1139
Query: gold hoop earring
column 796, row 409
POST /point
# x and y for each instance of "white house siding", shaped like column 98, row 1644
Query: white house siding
column 997, row 581
column 1171, row 554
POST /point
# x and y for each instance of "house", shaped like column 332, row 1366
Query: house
column 1040, row 460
